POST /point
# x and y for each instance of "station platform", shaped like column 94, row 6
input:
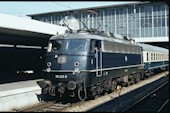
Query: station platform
column 18, row 95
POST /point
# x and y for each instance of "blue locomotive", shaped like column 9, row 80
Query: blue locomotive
column 87, row 63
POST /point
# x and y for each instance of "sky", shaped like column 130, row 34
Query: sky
column 22, row 8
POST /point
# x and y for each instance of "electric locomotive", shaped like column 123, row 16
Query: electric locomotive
column 84, row 64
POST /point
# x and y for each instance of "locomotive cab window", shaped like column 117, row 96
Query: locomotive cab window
column 54, row 45
column 76, row 45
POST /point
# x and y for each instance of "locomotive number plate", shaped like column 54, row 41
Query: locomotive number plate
column 60, row 76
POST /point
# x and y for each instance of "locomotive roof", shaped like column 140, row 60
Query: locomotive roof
column 87, row 35
column 151, row 48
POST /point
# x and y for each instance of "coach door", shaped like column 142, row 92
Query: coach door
column 98, row 58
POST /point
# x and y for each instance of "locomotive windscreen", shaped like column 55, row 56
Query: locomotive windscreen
column 76, row 45
column 67, row 45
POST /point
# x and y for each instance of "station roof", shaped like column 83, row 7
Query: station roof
column 29, row 27
column 24, row 31
column 92, row 8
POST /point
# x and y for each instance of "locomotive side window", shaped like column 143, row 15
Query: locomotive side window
column 98, row 44
column 92, row 46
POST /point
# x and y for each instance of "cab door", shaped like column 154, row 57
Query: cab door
column 98, row 58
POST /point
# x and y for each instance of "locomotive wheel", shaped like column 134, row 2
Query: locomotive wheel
column 125, row 84
column 137, row 79
column 113, row 86
column 91, row 93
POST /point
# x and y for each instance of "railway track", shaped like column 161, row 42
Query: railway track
column 76, row 106
column 134, row 93
column 152, row 102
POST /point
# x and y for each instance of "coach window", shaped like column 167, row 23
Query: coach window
column 155, row 56
column 158, row 56
column 147, row 56
column 161, row 56
column 164, row 56
column 151, row 56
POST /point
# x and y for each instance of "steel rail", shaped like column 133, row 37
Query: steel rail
column 163, row 106
column 145, row 97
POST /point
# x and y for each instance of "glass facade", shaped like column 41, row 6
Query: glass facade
column 136, row 20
